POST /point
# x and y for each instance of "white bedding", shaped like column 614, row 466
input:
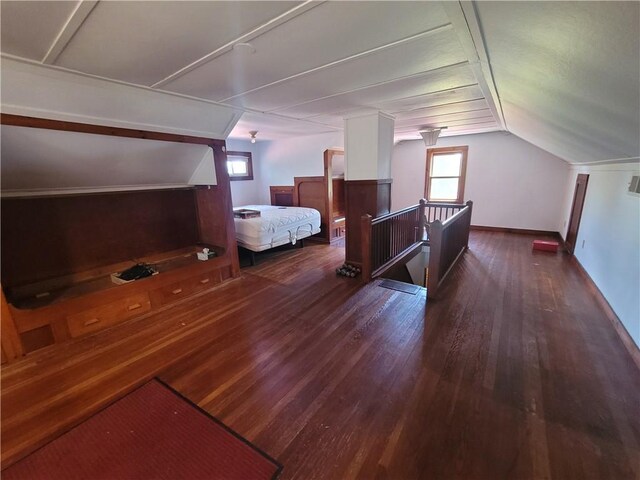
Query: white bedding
column 275, row 226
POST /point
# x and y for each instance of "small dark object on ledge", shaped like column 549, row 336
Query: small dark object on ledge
column 138, row 271
column 347, row 270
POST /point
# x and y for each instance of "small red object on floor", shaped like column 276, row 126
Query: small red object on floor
column 546, row 245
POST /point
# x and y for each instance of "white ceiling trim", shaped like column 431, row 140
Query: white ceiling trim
column 408, row 136
column 465, row 22
column 118, row 82
column 75, row 20
column 424, row 95
column 21, row 110
column 464, row 124
column 470, row 131
column 292, row 119
column 606, row 162
column 271, row 24
column 73, row 98
column 439, row 121
column 445, row 68
column 403, row 111
column 75, row 117
column 413, row 110
column 392, row 112
column 475, row 121
column 438, row 29
column 438, row 115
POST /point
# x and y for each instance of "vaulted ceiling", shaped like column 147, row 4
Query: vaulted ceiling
column 564, row 76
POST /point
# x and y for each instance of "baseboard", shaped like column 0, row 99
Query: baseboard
column 621, row 330
column 523, row 231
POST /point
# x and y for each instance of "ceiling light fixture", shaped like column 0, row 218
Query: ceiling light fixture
column 245, row 48
column 430, row 135
column 253, row 134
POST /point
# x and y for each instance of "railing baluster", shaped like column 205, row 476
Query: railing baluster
column 400, row 240
column 394, row 235
column 398, row 234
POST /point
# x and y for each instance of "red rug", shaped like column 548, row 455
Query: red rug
column 151, row 433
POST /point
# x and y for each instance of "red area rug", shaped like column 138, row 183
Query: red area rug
column 151, row 433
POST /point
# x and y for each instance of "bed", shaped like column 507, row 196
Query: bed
column 275, row 226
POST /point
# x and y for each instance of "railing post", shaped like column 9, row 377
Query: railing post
column 421, row 220
column 365, row 235
column 466, row 240
column 435, row 252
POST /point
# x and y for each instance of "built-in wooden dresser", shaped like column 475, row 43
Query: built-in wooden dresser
column 59, row 250
column 55, row 310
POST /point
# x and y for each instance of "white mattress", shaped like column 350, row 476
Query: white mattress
column 276, row 226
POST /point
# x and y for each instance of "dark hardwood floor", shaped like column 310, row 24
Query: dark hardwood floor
column 515, row 373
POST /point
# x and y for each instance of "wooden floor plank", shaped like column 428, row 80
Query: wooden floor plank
column 515, row 372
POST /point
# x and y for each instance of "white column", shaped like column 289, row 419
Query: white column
column 368, row 144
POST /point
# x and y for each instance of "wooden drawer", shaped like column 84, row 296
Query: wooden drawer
column 103, row 316
column 204, row 281
column 184, row 288
column 172, row 292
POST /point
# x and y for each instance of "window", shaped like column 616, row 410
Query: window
column 446, row 168
column 239, row 166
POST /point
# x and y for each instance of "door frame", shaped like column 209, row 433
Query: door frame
column 576, row 206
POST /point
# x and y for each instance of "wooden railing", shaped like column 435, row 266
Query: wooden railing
column 447, row 241
column 388, row 239
column 395, row 237
column 441, row 211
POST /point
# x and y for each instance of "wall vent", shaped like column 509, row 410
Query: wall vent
column 634, row 186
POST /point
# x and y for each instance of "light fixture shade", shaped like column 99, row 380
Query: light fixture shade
column 430, row 136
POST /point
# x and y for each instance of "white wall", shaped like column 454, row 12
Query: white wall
column 246, row 192
column 608, row 243
column 281, row 160
column 512, row 183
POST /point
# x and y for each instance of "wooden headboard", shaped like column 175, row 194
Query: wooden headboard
column 282, row 195
column 325, row 194
column 312, row 192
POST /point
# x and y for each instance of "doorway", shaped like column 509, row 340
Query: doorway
column 579, row 195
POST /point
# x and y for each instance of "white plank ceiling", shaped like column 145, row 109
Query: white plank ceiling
column 311, row 64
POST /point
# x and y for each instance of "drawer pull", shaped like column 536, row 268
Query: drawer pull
column 135, row 306
column 91, row 322
column 176, row 291
column 204, row 280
